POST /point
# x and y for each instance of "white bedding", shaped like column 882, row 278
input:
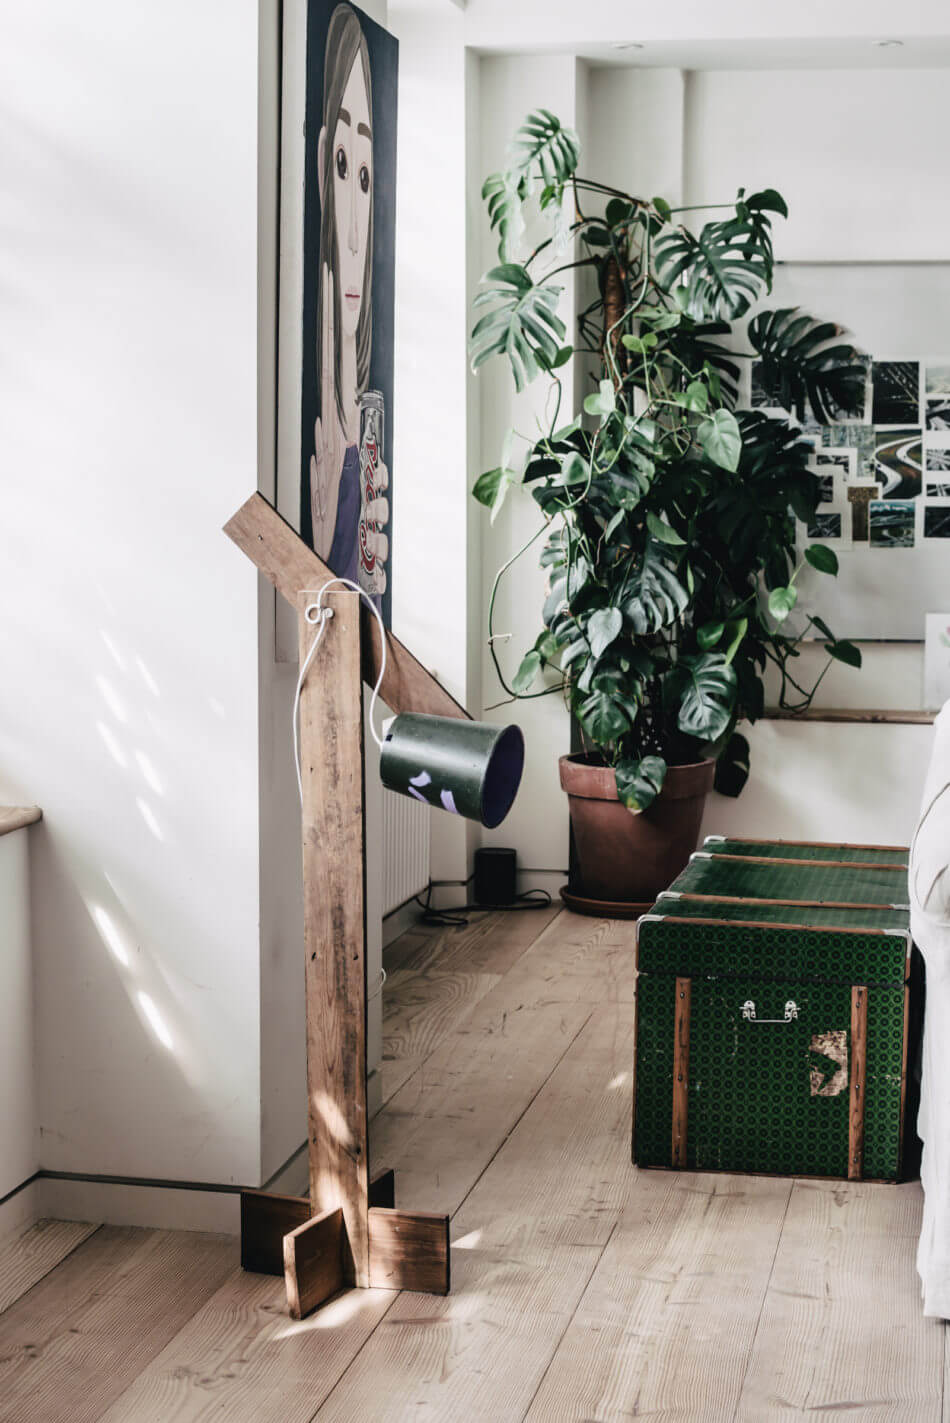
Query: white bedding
column 930, row 925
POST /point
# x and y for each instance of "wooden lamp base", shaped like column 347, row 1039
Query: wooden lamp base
column 408, row 1250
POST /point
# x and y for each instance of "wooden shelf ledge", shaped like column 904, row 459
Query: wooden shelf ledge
column 14, row 817
column 853, row 714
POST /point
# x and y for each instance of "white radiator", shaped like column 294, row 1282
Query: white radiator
column 405, row 849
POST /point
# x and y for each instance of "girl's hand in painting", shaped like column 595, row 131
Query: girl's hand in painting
column 329, row 437
column 377, row 510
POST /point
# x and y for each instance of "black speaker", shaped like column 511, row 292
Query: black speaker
column 496, row 876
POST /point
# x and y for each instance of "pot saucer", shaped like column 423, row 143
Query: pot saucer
column 605, row 908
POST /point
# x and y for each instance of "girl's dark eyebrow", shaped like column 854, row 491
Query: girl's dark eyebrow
column 364, row 129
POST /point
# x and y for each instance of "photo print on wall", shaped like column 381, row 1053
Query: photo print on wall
column 844, row 461
column 858, row 437
column 348, row 296
column 938, row 413
column 898, row 459
column 891, row 523
column 937, row 378
column 896, row 392
column 825, row 526
column 937, row 521
column 826, row 488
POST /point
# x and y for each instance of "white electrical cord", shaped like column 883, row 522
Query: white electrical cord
column 316, row 613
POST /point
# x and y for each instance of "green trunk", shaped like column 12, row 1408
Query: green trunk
column 770, row 1053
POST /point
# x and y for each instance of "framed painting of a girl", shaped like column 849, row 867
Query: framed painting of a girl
column 348, row 261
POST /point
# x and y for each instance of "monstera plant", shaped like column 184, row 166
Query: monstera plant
column 668, row 514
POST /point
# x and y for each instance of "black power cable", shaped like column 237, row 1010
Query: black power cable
column 455, row 915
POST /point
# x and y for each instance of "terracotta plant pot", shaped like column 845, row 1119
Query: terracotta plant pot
column 627, row 857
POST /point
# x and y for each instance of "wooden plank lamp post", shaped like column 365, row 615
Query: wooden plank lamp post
column 347, row 1231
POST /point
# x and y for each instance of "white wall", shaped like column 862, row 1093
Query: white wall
column 17, row 1088
column 854, row 153
column 828, row 781
column 128, row 704
column 434, row 537
column 634, row 129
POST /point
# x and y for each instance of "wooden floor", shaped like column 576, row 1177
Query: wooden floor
column 582, row 1289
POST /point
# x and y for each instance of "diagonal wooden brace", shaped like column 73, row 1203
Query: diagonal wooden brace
column 291, row 565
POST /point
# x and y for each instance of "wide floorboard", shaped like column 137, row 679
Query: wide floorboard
column 583, row 1290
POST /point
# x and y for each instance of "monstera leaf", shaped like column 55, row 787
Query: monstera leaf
column 745, row 517
column 522, row 323
column 804, row 361
column 544, row 147
column 707, row 686
column 543, row 141
column 655, row 597
column 609, row 710
column 503, row 193
column 639, row 782
column 729, row 265
column 690, row 343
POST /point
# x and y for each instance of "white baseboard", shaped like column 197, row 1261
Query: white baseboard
column 551, row 880
column 161, row 1207
column 19, row 1212
column 293, row 1179
column 398, row 922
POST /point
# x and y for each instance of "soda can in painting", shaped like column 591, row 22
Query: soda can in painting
column 372, row 576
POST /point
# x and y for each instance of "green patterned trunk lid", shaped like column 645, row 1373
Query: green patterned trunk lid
column 804, row 883
column 798, row 850
column 761, row 912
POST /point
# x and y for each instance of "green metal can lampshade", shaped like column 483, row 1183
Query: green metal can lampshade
column 469, row 768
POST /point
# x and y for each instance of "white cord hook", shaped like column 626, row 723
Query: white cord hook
column 316, row 613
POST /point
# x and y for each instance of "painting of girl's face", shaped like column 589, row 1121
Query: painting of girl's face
column 352, row 176
column 348, row 289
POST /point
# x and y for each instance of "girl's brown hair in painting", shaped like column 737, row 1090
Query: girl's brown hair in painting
column 345, row 41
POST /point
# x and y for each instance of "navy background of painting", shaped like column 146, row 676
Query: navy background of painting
column 383, row 58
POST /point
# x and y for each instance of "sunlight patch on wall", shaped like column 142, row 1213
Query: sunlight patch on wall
column 151, row 777
column 109, row 933
column 148, row 815
column 112, row 699
column 112, row 745
column 154, row 1019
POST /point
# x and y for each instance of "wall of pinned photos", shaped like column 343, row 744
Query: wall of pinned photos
column 885, row 474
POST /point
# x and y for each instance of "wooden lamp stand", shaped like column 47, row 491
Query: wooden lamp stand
column 347, row 1231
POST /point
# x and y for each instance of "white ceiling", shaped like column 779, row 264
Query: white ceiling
column 914, row 53
column 718, row 34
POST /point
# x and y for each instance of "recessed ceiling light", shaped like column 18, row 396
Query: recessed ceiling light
column 627, row 44
column 888, row 44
